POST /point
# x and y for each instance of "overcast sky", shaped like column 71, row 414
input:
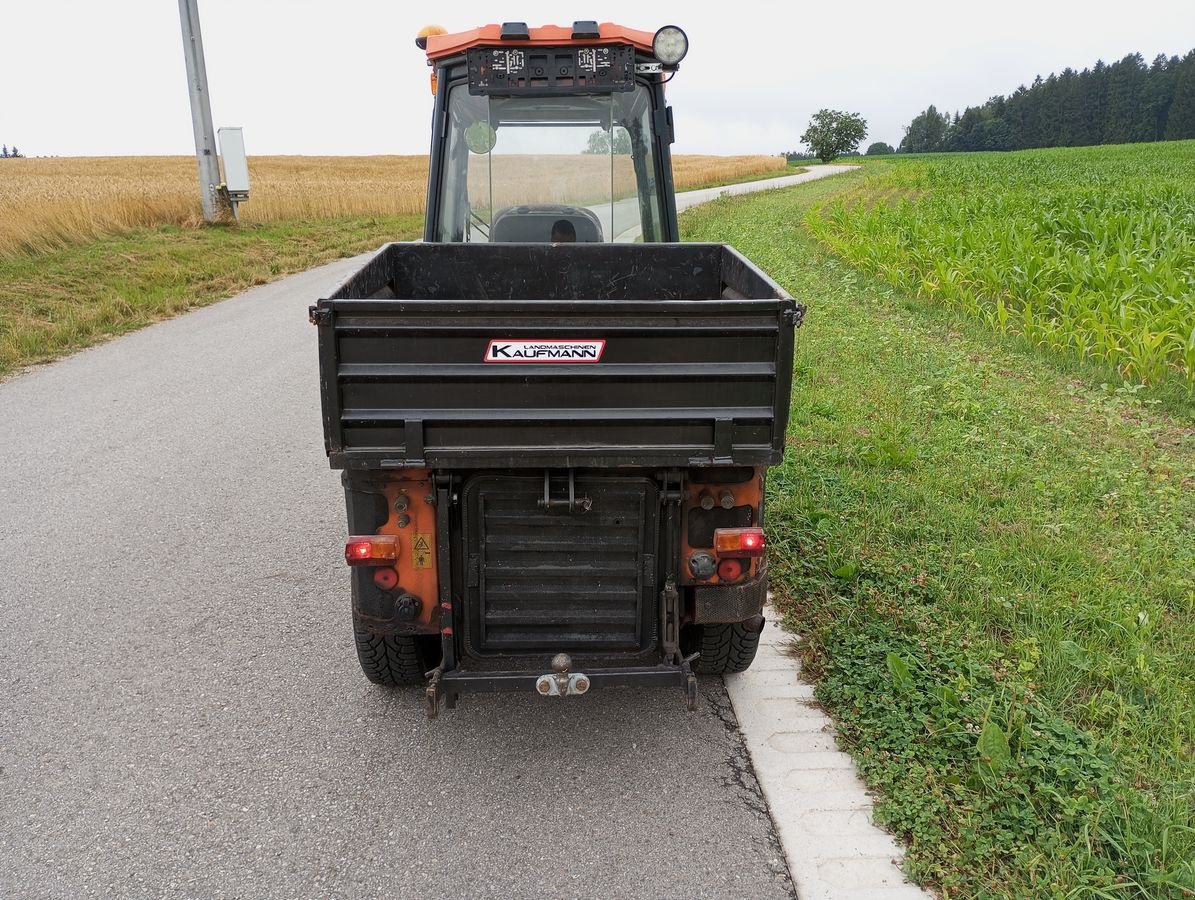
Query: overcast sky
column 107, row 77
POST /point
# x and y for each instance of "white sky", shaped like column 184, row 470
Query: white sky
column 88, row 77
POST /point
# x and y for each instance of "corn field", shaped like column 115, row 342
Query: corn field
column 1087, row 251
column 50, row 203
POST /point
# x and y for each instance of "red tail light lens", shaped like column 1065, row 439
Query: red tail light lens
column 385, row 577
column 371, row 550
column 739, row 542
column 730, row 570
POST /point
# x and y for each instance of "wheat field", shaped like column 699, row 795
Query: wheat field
column 50, row 203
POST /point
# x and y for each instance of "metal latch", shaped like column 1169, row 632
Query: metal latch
column 572, row 504
column 561, row 682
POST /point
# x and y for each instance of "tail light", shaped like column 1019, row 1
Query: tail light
column 385, row 577
column 730, row 569
column 735, row 543
column 371, row 550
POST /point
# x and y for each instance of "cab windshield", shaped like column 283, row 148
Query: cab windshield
column 557, row 168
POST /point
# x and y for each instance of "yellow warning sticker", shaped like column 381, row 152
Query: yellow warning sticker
column 421, row 551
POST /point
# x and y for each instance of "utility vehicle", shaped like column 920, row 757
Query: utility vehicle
column 553, row 418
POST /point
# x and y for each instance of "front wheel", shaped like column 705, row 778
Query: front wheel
column 397, row 660
column 725, row 648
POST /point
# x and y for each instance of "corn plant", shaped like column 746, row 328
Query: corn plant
column 1087, row 251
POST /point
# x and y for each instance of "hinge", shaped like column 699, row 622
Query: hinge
column 795, row 316
column 649, row 568
column 663, row 125
column 319, row 315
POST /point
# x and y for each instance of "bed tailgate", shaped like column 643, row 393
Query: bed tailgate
column 525, row 383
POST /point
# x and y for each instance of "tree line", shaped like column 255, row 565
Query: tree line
column 1126, row 102
column 5, row 153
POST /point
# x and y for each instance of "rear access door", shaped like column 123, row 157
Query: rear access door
column 552, row 562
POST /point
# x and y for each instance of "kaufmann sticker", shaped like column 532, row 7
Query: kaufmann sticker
column 544, row 351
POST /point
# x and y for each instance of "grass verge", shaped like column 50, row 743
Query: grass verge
column 989, row 556
column 60, row 301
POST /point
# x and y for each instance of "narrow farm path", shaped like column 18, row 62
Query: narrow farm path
column 689, row 199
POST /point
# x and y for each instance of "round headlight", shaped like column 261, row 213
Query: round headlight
column 670, row 45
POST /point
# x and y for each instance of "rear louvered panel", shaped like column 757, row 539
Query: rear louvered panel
column 550, row 581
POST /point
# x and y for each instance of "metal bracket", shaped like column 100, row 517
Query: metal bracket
column 690, row 685
column 572, row 504
column 670, row 619
column 413, row 442
column 432, row 694
column 795, row 316
column 319, row 315
column 565, row 685
column 667, row 494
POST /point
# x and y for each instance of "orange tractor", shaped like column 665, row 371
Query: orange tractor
column 554, row 419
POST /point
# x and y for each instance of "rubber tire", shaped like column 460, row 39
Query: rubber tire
column 724, row 648
column 397, row 660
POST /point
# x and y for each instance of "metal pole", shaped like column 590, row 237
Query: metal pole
column 201, row 109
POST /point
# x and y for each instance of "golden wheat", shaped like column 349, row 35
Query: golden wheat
column 47, row 203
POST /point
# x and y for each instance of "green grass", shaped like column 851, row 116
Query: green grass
column 1087, row 251
column 988, row 552
column 54, row 303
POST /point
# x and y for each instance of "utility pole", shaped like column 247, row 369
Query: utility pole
column 201, row 110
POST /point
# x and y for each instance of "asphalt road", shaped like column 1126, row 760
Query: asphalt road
column 616, row 218
column 181, row 712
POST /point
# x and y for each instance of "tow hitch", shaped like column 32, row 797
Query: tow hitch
column 446, row 685
column 561, row 682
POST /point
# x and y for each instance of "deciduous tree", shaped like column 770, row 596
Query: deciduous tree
column 832, row 132
column 599, row 142
column 926, row 133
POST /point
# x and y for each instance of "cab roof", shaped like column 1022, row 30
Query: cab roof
column 442, row 45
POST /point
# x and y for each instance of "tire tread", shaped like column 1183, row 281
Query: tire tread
column 390, row 660
column 726, row 648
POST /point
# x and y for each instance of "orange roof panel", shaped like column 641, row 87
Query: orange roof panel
column 441, row 45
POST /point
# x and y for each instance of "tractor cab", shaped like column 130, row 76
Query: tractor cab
column 551, row 134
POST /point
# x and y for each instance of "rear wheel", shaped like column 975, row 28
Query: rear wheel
column 724, row 648
column 395, row 660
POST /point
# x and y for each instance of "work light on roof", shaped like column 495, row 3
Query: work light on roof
column 670, row 45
